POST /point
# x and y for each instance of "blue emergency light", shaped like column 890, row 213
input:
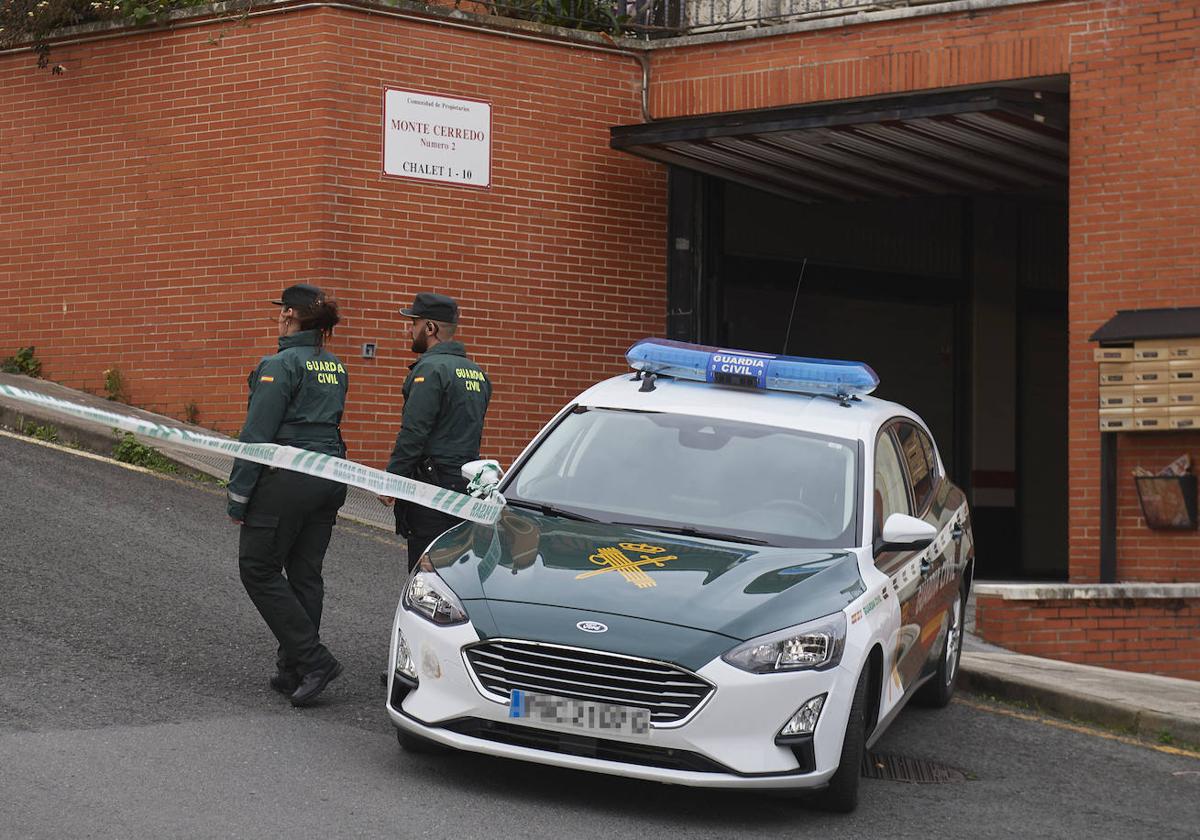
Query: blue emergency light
column 823, row 377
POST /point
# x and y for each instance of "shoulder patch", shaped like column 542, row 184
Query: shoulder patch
column 266, row 379
column 418, row 379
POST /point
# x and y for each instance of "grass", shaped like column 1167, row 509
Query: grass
column 130, row 451
column 48, row 433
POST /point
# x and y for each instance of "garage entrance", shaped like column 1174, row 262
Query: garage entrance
column 925, row 235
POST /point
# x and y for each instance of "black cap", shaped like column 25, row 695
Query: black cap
column 299, row 296
column 433, row 306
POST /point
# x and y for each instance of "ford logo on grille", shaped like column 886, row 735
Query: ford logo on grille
column 592, row 627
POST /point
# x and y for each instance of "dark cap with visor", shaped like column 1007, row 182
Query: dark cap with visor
column 433, row 306
column 299, row 296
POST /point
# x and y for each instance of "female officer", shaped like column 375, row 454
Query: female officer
column 296, row 398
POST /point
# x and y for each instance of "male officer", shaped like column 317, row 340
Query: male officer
column 445, row 398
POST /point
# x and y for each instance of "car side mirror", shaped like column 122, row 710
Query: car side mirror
column 902, row 532
column 483, row 477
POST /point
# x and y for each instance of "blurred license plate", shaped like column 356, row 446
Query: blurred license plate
column 582, row 715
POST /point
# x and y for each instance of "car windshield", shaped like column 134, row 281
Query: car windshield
column 715, row 477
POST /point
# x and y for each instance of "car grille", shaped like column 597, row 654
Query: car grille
column 668, row 691
column 566, row 744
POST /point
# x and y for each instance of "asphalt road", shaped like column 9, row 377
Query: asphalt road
column 134, row 703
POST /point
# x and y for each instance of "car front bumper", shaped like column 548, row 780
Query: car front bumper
column 729, row 742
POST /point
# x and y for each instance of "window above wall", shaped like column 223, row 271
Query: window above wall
column 698, row 16
column 656, row 19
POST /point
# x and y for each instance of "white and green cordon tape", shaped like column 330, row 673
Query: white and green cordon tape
column 484, row 511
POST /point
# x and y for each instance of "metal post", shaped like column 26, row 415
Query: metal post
column 1108, row 507
column 683, row 248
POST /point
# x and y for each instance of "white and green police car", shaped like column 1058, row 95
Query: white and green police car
column 726, row 570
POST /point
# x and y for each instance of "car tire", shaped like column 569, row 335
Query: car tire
column 842, row 794
column 939, row 689
column 418, row 745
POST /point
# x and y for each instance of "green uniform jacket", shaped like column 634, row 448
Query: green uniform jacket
column 296, row 398
column 445, row 398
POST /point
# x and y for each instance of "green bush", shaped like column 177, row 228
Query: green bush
column 23, row 362
column 129, row 451
column 114, row 385
column 595, row 15
column 47, row 433
column 34, row 22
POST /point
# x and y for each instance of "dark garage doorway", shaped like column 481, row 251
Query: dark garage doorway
column 951, row 286
column 903, row 326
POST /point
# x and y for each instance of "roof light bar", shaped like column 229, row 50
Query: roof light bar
column 824, row 377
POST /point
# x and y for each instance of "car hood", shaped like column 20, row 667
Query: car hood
column 735, row 590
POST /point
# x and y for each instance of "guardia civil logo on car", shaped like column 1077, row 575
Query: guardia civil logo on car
column 725, row 569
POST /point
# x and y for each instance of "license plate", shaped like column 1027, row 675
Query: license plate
column 581, row 715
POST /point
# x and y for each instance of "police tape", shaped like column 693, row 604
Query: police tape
column 381, row 483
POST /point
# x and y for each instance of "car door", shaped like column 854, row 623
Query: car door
column 928, row 489
column 892, row 494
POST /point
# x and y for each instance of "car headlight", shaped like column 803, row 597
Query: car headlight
column 429, row 596
column 815, row 645
column 804, row 721
column 405, row 667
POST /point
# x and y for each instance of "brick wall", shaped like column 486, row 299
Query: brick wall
column 1157, row 636
column 1146, row 555
column 158, row 193
column 143, row 221
column 850, row 61
column 1134, row 75
column 1135, row 243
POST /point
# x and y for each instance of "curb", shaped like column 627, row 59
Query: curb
column 90, row 438
column 979, row 676
column 101, row 440
column 87, row 437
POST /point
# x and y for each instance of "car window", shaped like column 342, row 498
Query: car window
column 783, row 486
column 891, row 493
column 930, row 454
column 920, row 474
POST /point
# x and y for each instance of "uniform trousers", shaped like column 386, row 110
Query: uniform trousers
column 281, row 551
column 421, row 525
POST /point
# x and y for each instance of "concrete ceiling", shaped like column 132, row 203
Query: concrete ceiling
column 941, row 143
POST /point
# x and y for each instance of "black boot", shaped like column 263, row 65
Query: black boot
column 314, row 682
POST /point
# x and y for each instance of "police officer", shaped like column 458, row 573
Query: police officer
column 296, row 398
column 445, row 398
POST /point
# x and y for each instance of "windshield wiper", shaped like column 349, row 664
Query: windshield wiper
column 689, row 531
column 550, row 510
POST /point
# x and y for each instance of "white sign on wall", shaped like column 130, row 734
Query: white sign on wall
column 437, row 138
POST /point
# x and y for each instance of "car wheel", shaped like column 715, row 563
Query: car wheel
column 937, row 692
column 411, row 743
column 842, row 793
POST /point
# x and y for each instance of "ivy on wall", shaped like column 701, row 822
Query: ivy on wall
column 595, row 15
column 35, row 22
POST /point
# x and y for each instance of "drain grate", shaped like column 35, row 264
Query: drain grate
column 901, row 768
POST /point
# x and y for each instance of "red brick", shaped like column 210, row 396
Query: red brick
column 230, row 170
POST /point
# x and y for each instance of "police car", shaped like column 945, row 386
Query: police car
column 727, row 569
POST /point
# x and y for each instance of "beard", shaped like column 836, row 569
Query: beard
column 420, row 344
